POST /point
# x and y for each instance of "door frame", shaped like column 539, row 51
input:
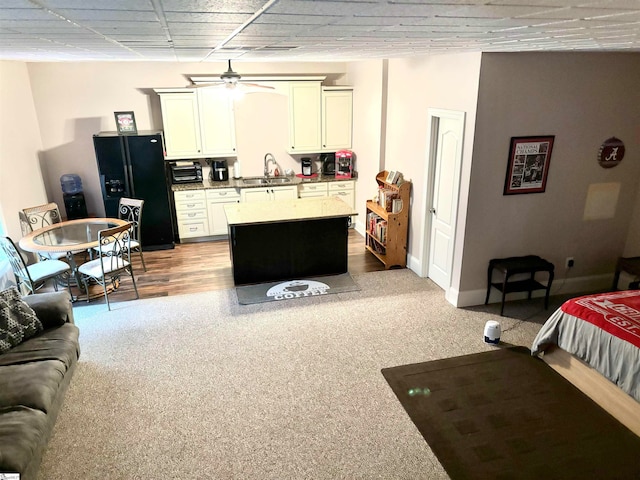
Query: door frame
column 434, row 116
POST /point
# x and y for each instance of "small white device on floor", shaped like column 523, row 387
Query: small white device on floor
column 492, row 332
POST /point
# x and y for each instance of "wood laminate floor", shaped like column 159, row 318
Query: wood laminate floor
column 204, row 266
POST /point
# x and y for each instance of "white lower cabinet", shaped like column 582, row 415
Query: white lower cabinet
column 216, row 200
column 191, row 213
column 345, row 190
column 266, row 194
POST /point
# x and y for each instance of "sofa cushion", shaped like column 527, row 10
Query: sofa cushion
column 33, row 384
column 18, row 321
column 54, row 344
column 21, row 433
column 52, row 308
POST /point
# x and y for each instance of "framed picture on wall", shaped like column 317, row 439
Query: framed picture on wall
column 528, row 165
column 126, row 123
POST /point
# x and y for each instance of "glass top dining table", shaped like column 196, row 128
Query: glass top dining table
column 68, row 236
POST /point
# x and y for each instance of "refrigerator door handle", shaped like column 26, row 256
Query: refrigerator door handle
column 130, row 176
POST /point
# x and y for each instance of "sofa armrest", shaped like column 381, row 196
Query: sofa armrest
column 52, row 308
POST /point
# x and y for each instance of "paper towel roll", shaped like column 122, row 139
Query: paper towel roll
column 236, row 170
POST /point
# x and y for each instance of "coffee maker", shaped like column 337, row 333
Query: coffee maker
column 344, row 164
column 306, row 166
column 219, row 171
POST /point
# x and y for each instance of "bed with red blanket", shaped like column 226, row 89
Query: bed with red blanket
column 602, row 330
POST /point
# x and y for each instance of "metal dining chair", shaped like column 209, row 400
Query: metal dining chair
column 34, row 276
column 42, row 216
column 114, row 260
column 130, row 209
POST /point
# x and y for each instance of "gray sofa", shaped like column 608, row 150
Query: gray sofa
column 34, row 377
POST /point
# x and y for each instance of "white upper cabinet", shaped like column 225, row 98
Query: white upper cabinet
column 337, row 119
column 217, row 124
column 181, row 123
column 304, row 117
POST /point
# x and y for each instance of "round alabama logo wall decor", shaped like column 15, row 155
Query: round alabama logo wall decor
column 611, row 152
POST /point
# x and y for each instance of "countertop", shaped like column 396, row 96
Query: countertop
column 233, row 183
column 277, row 211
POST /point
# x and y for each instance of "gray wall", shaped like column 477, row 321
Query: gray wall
column 582, row 99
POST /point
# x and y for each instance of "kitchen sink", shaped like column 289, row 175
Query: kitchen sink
column 279, row 180
column 255, row 181
column 265, row 180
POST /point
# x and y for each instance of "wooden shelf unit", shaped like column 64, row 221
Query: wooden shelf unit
column 392, row 250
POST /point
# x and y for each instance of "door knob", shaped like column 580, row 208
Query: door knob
column 432, row 210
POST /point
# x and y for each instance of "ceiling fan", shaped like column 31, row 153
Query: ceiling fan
column 231, row 81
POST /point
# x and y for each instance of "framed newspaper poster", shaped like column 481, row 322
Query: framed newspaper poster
column 528, row 165
column 126, row 123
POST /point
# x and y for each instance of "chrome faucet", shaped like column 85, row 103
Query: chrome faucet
column 268, row 158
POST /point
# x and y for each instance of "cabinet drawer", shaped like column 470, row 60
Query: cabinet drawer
column 343, row 185
column 185, row 206
column 317, row 188
column 230, row 195
column 190, row 215
column 189, row 195
column 188, row 229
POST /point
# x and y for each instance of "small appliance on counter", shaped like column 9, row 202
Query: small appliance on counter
column 344, row 164
column 328, row 161
column 236, row 170
column 186, row 172
column 219, row 171
column 306, row 166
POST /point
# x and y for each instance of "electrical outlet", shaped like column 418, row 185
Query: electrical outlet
column 569, row 262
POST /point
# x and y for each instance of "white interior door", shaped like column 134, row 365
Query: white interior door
column 447, row 133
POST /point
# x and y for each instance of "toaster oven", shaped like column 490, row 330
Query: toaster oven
column 186, row 172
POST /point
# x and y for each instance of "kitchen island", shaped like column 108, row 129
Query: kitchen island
column 288, row 239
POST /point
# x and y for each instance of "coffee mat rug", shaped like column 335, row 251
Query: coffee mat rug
column 292, row 289
column 504, row 414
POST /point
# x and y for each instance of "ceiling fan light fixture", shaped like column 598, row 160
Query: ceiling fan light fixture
column 230, row 77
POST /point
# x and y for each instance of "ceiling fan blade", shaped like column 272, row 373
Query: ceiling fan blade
column 208, row 84
column 256, row 85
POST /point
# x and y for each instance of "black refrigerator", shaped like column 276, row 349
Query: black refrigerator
column 133, row 166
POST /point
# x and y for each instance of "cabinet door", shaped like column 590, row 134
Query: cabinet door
column 255, row 194
column 284, row 193
column 216, row 200
column 181, row 124
column 304, row 117
column 337, row 116
column 217, row 124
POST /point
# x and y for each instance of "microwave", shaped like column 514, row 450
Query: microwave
column 186, row 172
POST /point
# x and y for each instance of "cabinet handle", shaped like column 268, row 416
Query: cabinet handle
column 190, row 205
column 222, row 194
column 193, row 229
column 191, row 214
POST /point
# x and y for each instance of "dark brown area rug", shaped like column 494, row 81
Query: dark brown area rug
column 507, row 415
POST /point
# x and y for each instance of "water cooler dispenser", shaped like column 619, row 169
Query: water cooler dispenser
column 74, row 203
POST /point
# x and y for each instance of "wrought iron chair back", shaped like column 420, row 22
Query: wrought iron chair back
column 130, row 209
column 42, row 215
column 17, row 262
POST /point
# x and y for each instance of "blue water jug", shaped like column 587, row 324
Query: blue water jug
column 71, row 183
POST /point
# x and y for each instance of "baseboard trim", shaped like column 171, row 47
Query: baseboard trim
column 593, row 283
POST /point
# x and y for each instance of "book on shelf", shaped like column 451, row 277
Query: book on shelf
column 385, row 198
column 377, row 227
column 396, row 205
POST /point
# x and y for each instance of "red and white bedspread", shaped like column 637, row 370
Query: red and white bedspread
column 603, row 330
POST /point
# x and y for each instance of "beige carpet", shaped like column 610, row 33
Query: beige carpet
column 199, row 387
